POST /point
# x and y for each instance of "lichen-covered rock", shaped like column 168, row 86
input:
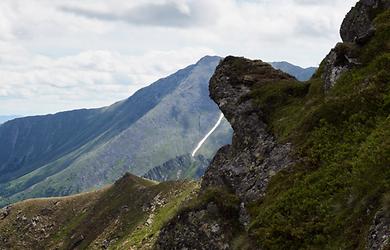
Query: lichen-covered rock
column 379, row 234
column 245, row 167
column 338, row 61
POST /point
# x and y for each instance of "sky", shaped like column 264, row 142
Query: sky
column 58, row 55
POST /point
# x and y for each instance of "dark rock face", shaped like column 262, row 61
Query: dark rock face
column 356, row 30
column 357, row 25
column 246, row 166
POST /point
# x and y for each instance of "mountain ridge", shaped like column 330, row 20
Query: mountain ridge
column 67, row 165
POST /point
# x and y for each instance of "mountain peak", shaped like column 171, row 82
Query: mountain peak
column 208, row 59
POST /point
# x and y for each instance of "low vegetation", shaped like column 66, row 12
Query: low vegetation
column 127, row 215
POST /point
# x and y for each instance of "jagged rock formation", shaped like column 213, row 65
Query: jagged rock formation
column 301, row 168
column 244, row 168
column 179, row 168
column 254, row 156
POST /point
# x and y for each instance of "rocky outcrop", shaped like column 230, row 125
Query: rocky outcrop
column 243, row 168
column 339, row 60
column 358, row 24
column 246, row 165
column 356, row 30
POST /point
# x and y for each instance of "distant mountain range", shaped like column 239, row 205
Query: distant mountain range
column 75, row 151
column 302, row 74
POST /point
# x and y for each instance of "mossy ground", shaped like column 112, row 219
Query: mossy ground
column 329, row 198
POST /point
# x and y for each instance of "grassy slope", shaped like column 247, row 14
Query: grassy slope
column 126, row 215
column 328, row 200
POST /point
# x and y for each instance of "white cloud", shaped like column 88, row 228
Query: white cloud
column 93, row 78
column 65, row 54
column 170, row 13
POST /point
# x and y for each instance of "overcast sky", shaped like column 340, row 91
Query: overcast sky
column 59, row 55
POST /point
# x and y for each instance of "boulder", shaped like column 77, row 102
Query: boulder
column 358, row 23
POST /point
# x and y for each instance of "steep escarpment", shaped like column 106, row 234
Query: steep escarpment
column 308, row 167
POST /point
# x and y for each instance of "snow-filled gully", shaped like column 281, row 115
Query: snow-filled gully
column 207, row 135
